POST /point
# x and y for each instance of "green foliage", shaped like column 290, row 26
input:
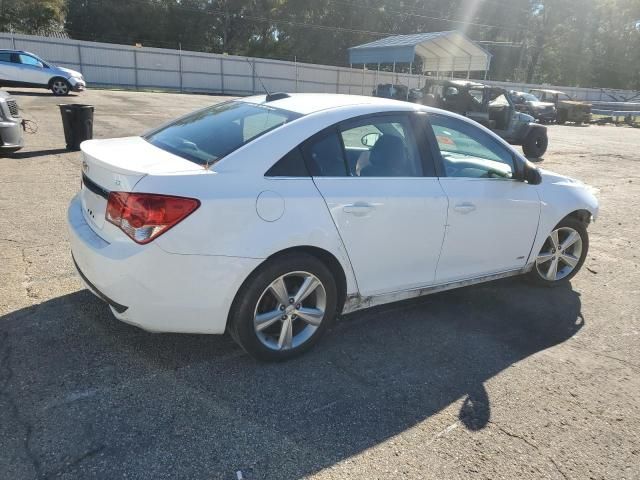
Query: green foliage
column 32, row 16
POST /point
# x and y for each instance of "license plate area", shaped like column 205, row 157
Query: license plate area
column 94, row 207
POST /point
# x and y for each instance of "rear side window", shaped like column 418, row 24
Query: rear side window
column 206, row 136
column 291, row 165
column 5, row 57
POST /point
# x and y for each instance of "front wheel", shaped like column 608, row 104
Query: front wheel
column 535, row 144
column 284, row 307
column 60, row 87
column 562, row 254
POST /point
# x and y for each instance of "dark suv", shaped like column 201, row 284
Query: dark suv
column 528, row 103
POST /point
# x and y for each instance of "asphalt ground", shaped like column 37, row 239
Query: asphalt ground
column 501, row 381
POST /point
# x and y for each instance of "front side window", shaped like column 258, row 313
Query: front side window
column 469, row 152
column 29, row 60
column 205, row 136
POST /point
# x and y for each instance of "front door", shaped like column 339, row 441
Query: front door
column 385, row 200
column 492, row 217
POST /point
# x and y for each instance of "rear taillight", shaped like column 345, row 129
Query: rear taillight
column 145, row 216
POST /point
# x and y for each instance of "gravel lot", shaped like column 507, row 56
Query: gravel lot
column 502, row 380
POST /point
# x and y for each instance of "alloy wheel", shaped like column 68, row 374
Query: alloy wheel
column 60, row 87
column 560, row 254
column 290, row 310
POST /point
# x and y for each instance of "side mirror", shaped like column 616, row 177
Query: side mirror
column 370, row 139
column 531, row 174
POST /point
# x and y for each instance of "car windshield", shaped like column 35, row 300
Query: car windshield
column 205, row 136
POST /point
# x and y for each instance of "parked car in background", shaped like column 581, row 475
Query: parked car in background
column 489, row 106
column 397, row 92
column 11, row 130
column 529, row 103
column 269, row 215
column 23, row 69
column 567, row 109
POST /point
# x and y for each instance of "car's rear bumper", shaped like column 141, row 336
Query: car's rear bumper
column 152, row 289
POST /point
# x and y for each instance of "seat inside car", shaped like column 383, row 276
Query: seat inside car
column 388, row 158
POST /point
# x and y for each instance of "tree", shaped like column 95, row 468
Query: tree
column 32, row 16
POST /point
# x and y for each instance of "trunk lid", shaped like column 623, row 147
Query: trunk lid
column 118, row 165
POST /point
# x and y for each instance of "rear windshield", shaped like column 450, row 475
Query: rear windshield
column 205, row 136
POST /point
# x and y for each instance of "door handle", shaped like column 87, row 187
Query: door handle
column 465, row 207
column 358, row 209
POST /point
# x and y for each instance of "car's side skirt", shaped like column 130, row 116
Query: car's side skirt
column 13, row 83
column 357, row 302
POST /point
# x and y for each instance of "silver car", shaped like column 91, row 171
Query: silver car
column 24, row 69
column 10, row 125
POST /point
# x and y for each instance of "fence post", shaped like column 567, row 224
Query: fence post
column 180, row 64
column 338, row 80
column 135, row 64
column 253, row 76
column 80, row 56
column 295, row 62
column 222, row 74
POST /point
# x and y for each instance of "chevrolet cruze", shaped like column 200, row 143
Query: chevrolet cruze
column 269, row 215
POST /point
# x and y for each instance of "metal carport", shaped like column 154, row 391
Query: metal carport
column 449, row 51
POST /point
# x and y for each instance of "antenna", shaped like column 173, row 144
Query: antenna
column 253, row 67
column 270, row 96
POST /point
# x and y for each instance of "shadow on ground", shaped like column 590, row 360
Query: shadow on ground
column 38, row 153
column 81, row 393
column 39, row 93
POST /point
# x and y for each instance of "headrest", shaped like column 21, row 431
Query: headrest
column 388, row 150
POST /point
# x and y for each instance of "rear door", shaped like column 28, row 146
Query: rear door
column 492, row 217
column 379, row 185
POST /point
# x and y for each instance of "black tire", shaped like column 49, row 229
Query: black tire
column 536, row 273
column 56, row 86
column 535, row 144
column 241, row 316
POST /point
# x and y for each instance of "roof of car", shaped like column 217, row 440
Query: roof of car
column 307, row 103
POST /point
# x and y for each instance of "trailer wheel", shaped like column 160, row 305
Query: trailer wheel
column 535, row 144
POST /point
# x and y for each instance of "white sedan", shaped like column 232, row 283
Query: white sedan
column 268, row 216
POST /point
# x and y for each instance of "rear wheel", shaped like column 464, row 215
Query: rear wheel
column 535, row 144
column 60, row 87
column 562, row 253
column 284, row 308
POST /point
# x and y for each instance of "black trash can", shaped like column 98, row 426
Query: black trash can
column 77, row 121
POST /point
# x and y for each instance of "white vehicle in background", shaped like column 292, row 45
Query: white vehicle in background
column 24, row 69
column 269, row 215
